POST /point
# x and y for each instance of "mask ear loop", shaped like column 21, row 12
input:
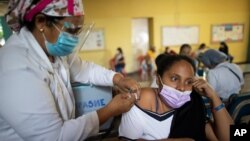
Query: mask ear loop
column 82, row 42
column 45, row 40
column 41, row 30
column 57, row 28
column 161, row 85
column 159, row 78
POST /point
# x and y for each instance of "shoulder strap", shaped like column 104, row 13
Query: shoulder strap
column 156, row 101
column 233, row 72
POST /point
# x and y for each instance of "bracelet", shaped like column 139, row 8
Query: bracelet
column 218, row 108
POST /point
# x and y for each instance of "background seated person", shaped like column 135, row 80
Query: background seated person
column 119, row 61
column 147, row 68
column 224, row 48
column 175, row 109
column 169, row 51
column 225, row 78
column 186, row 50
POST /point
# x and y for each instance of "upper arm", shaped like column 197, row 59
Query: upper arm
column 131, row 125
column 210, row 135
column 88, row 72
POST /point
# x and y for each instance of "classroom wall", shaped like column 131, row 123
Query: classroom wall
column 3, row 8
column 114, row 16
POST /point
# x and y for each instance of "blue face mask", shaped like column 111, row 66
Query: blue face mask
column 64, row 45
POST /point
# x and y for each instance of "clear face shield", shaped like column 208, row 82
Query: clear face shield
column 82, row 32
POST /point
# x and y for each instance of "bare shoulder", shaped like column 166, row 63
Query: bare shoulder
column 147, row 98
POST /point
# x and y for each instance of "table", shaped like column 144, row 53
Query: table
column 246, row 73
column 245, row 68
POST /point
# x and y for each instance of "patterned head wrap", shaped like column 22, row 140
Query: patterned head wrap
column 25, row 10
column 212, row 57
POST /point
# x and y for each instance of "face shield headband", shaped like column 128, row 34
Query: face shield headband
column 83, row 36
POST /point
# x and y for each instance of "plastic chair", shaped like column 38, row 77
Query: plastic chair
column 239, row 107
column 89, row 98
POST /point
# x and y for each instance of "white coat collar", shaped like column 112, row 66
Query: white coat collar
column 33, row 44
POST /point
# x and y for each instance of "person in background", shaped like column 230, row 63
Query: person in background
column 151, row 52
column 146, row 68
column 224, row 48
column 147, row 65
column 169, row 51
column 175, row 110
column 186, row 50
column 226, row 78
column 201, row 49
column 36, row 99
column 119, row 61
column 200, row 68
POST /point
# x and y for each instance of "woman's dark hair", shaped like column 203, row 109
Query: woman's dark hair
column 120, row 50
column 224, row 47
column 202, row 46
column 184, row 46
column 49, row 19
column 165, row 62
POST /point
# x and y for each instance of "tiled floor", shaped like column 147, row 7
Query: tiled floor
column 246, row 87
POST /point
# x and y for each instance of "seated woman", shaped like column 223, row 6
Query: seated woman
column 224, row 77
column 175, row 110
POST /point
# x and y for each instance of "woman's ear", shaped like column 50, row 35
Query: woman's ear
column 40, row 21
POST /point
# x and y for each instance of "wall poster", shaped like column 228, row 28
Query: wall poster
column 95, row 41
column 227, row 32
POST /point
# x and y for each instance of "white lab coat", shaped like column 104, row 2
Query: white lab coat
column 36, row 99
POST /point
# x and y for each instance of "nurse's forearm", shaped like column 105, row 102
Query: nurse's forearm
column 104, row 114
column 117, row 78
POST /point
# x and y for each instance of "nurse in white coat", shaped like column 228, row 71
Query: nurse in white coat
column 36, row 99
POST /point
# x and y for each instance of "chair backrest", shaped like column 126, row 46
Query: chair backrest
column 89, row 98
column 239, row 106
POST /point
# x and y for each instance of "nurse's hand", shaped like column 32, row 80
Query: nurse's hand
column 119, row 104
column 127, row 85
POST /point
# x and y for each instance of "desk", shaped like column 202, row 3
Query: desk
column 245, row 68
column 246, row 73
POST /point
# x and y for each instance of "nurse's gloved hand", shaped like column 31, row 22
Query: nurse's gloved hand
column 121, row 103
column 127, row 85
